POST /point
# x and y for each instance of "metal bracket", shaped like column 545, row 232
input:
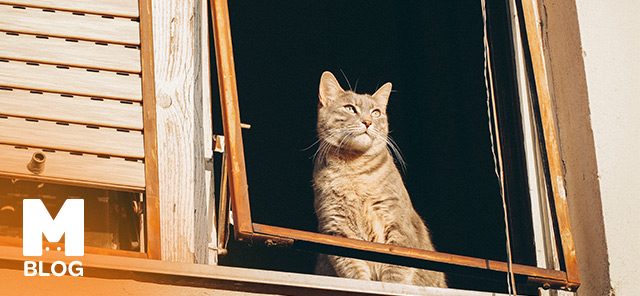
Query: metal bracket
column 218, row 144
column 271, row 241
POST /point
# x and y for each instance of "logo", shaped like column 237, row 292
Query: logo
column 36, row 222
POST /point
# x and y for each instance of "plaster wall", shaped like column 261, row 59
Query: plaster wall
column 571, row 100
column 610, row 35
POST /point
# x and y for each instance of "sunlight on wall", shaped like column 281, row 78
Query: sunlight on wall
column 610, row 39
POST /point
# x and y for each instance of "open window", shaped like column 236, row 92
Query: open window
column 77, row 119
column 472, row 115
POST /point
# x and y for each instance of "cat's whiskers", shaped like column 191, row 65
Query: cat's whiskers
column 392, row 146
column 322, row 151
column 348, row 135
column 343, row 135
column 314, row 143
column 395, row 150
column 354, row 131
column 324, row 145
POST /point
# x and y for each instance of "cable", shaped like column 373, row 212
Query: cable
column 496, row 148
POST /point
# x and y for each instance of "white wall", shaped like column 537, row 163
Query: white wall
column 610, row 33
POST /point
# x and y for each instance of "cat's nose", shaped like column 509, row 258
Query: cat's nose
column 367, row 123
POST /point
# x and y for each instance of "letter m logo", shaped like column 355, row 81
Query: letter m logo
column 37, row 221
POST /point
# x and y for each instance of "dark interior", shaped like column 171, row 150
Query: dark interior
column 432, row 52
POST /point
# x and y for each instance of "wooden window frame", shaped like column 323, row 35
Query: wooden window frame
column 152, row 182
column 247, row 231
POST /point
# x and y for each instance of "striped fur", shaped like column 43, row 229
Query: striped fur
column 359, row 192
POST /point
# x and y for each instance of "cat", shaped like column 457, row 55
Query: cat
column 359, row 192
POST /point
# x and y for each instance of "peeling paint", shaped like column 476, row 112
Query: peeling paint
column 561, row 190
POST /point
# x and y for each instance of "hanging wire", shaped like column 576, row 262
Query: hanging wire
column 496, row 148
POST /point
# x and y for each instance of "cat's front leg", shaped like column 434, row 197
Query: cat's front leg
column 397, row 274
column 350, row 268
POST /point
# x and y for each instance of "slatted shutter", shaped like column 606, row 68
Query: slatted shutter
column 76, row 85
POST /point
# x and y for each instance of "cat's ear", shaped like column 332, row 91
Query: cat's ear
column 382, row 94
column 329, row 88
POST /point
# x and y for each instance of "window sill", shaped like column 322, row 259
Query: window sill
column 109, row 273
column 17, row 242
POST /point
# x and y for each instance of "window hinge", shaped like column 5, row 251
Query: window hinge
column 218, row 143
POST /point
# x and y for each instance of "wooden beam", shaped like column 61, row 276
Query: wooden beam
column 536, row 47
column 69, row 25
column 152, row 186
column 207, row 124
column 178, row 44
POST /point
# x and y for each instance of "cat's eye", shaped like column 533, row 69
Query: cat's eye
column 376, row 113
column 351, row 109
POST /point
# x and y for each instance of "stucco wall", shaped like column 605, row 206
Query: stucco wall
column 593, row 51
column 569, row 88
column 610, row 33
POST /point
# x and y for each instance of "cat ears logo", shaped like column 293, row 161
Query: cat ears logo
column 37, row 221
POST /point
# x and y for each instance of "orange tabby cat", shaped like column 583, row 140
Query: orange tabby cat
column 359, row 192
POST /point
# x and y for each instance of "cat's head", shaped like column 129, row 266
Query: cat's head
column 350, row 121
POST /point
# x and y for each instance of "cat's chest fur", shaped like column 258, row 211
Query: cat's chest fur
column 367, row 199
column 355, row 184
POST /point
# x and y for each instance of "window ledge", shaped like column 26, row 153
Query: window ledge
column 168, row 278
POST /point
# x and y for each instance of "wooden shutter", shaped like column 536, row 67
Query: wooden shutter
column 76, row 85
